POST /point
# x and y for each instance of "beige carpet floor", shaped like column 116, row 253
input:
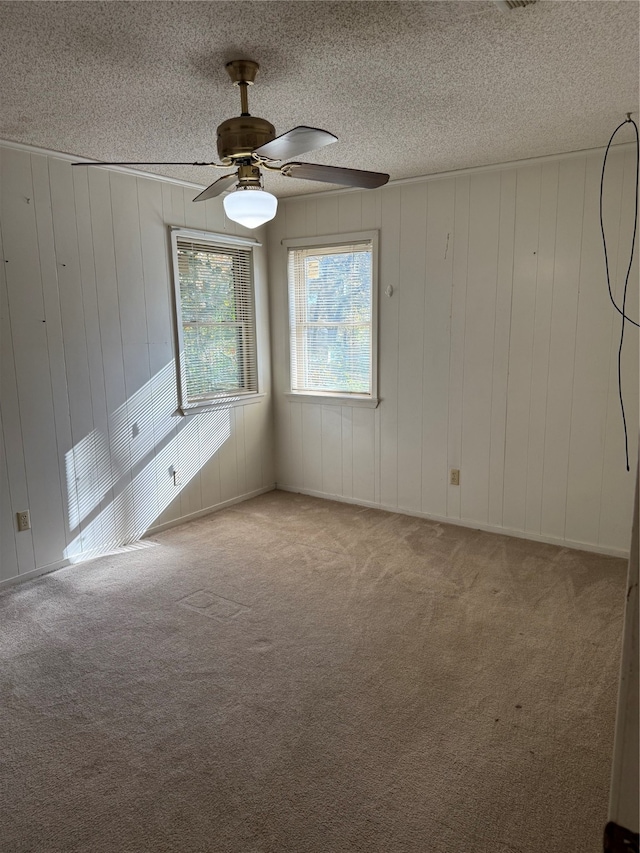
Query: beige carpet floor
column 293, row 675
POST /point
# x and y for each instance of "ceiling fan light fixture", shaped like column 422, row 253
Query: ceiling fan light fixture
column 250, row 206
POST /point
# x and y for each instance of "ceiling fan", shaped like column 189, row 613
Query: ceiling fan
column 249, row 144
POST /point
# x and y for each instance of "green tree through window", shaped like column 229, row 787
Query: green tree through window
column 215, row 289
column 330, row 298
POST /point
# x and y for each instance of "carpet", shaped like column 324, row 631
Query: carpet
column 294, row 675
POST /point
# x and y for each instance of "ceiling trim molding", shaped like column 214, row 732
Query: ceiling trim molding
column 469, row 170
column 48, row 152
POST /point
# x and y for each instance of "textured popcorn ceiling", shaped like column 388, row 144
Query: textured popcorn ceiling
column 410, row 88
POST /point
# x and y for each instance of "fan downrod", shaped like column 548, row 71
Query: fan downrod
column 243, row 73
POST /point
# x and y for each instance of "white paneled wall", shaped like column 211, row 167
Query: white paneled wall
column 89, row 425
column 497, row 353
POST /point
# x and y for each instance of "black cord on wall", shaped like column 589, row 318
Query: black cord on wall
column 621, row 311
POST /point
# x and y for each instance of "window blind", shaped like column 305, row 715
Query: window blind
column 217, row 318
column 330, row 318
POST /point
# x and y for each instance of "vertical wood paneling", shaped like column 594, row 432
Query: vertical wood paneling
column 497, row 354
column 285, row 471
column 312, row 446
column 437, row 342
column 347, row 451
column 178, row 205
column 137, row 421
column 19, row 233
column 259, row 465
column 331, row 426
column 227, row 454
column 311, row 217
column 89, row 297
column 523, row 306
column 165, row 427
column 370, row 210
column 9, row 565
column 110, row 329
column 267, row 444
column 126, row 232
column 108, row 200
column 562, row 345
column 480, row 309
column 502, row 328
column 411, row 296
column 53, row 326
column 209, row 463
column 254, row 428
column 195, row 213
column 477, row 349
column 16, row 497
column 591, row 376
column 541, row 345
column 363, row 454
column 183, row 451
column 157, row 289
column 617, row 483
column 154, row 243
column 187, row 439
column 8, row 554
column 162, row 357
column 296, row 218
column 261, row 303
column 326, row 215
column 97, row 466
column 31, row 358
column 137, row 425
column 238, row 431
column 372, row 219
column 456, row 354
column 214, row 215
column 349, row 212
column 296, row 448
column 388, row 337
column 90, row 433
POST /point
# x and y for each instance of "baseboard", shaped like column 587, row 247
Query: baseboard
column 488, row 528
column 460, row 522
column 62, row 564
column 208, row 510
column 34, row 573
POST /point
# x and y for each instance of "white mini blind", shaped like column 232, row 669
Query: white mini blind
column 330, row 318
column 217, row 320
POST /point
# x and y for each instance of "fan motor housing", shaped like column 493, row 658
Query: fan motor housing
column 238, row 137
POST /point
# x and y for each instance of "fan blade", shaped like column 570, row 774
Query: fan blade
column 297, row 141
column 217, row 187
column 142, row 163
column 335, row 175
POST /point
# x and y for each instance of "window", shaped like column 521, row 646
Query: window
column 332, row 311
column 213, row 278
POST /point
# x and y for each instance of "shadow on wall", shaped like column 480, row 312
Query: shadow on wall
column 119, row 483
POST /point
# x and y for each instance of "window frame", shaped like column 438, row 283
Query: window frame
column 340, row 398
column 217, row 399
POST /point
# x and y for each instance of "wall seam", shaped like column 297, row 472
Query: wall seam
column 575, row 342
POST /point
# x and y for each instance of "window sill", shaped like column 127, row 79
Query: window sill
column 220, row 403
column 326, row 398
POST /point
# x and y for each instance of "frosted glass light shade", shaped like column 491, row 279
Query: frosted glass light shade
column 250, row 207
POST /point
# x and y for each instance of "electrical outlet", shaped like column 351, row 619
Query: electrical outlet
column 24, row 520
column 454, row 476
column 177, row 478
